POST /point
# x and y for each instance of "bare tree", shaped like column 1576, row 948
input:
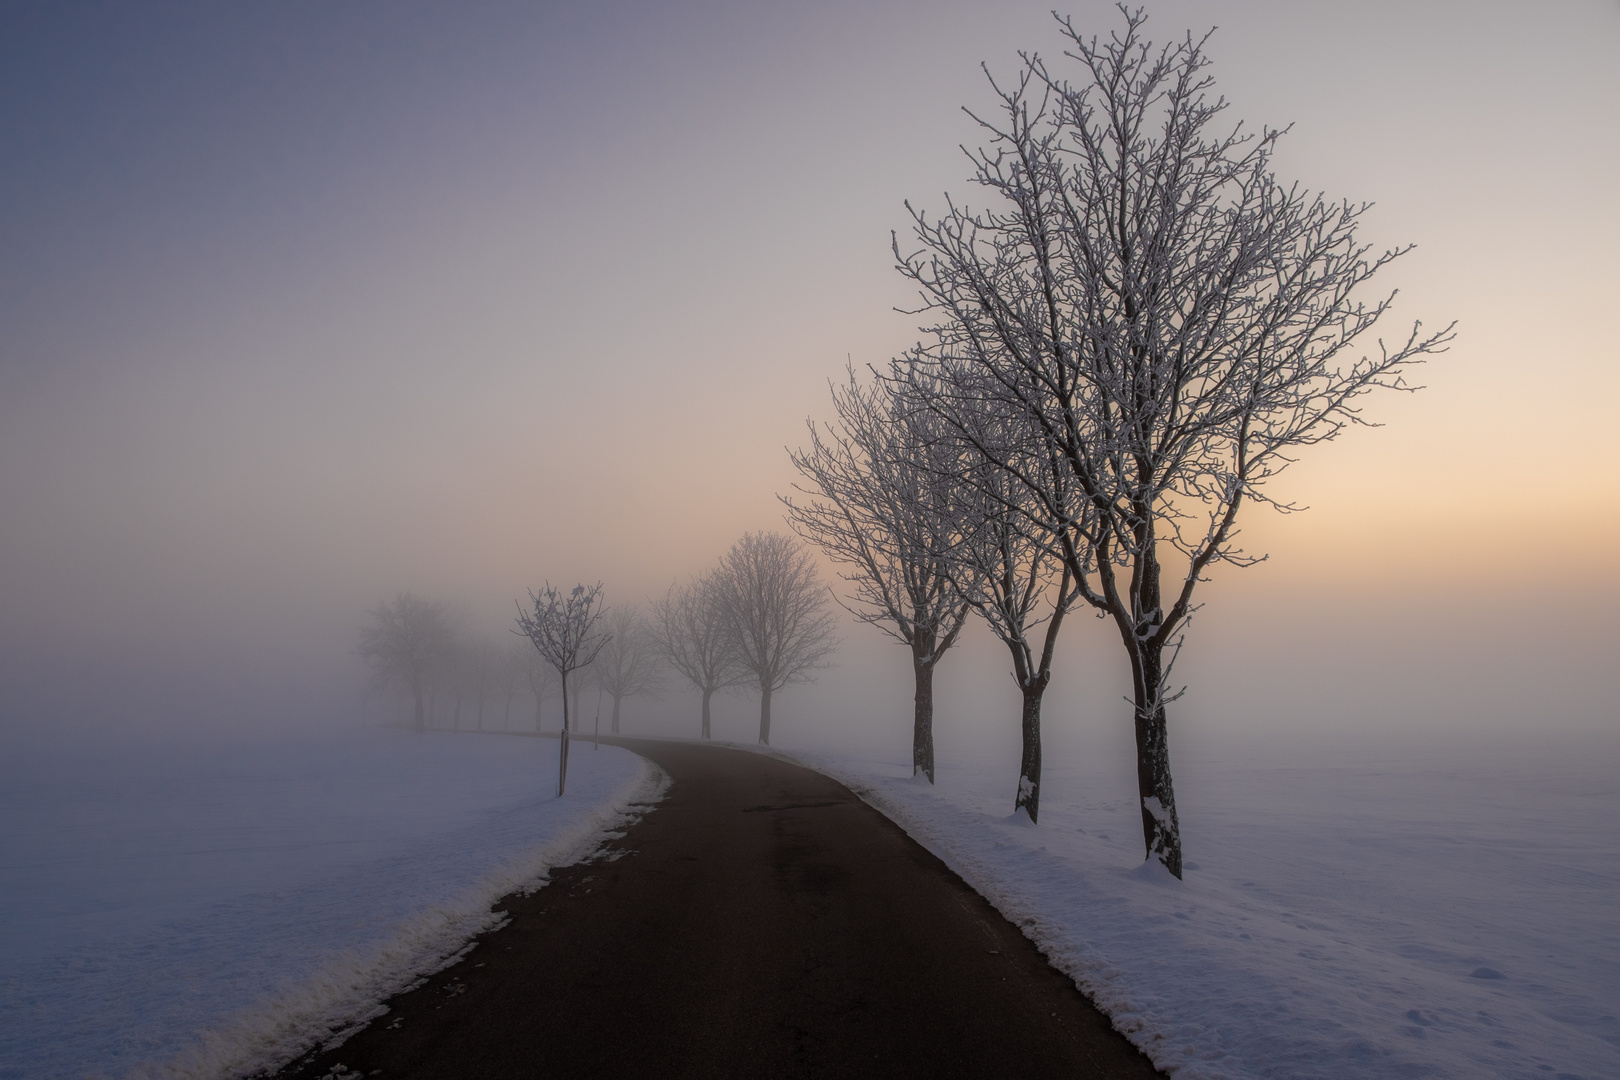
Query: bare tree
column 1167, row 318
column 563, row 631
column 880, row 506
column 1022, row 585
column 776, row 613
column 480, row 671
column 511, row 672
column 629, row 664
column 405, row 642
column 690, row 630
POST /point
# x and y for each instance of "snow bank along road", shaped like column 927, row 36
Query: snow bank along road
column 762, row 921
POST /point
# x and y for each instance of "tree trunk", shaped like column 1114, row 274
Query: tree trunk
column 922, row 724
column 562, row 750
column 615, row 726
column 1029, row 772
column 765, row 713
column 707, row 694
column 1161, row 830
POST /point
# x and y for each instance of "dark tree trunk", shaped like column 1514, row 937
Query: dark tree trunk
column 707, row 694
column 1145, row 641
column 765, row 713
column 922, row 721
column 1161, row 829
column 421, row 712
column 615, row 727
column 1029, row 772
column 562, row 750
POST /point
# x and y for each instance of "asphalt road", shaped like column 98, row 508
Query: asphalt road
column 761, row 922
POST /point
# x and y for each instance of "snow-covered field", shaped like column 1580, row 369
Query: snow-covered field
column 1347, row 915
column 194, row 913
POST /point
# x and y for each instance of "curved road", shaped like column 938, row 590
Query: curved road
column 761, row 922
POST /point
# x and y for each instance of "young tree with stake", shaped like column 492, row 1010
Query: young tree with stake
column 1167, row 319
column 563, row 631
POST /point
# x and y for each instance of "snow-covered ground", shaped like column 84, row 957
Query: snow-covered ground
column 1345, row 914
column 196, row 913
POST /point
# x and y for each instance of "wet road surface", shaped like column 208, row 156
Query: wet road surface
column 761, row 922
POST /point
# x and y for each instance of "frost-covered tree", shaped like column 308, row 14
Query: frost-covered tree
column 691, row 632
column 628, row 665
column 882, row 509
column 563, row 631
column 776, row 614
column 1023, row 592
column 1171, row 323
column 405, row 642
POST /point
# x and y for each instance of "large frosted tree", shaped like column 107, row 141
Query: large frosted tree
column 1171, row 323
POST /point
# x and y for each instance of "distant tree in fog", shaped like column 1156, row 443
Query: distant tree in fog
column 691, row 631
column 404, row 642
column 535, row 672
column 776, row 614
column 511, row 673
column 481, row 660
column 629, row 664
column 563, row 630
column 881, row 507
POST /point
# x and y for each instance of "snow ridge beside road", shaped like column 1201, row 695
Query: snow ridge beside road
column 347, row 991
column 1355, row 929
column 213, row 911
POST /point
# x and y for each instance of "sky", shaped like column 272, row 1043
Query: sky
column 302, row 305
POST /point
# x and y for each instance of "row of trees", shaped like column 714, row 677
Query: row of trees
column 448, row 675
column 761, row 615
column 1137, row 331
column 759, row 619
column 453, row 677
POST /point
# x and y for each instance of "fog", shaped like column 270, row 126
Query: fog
column 303, row 307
